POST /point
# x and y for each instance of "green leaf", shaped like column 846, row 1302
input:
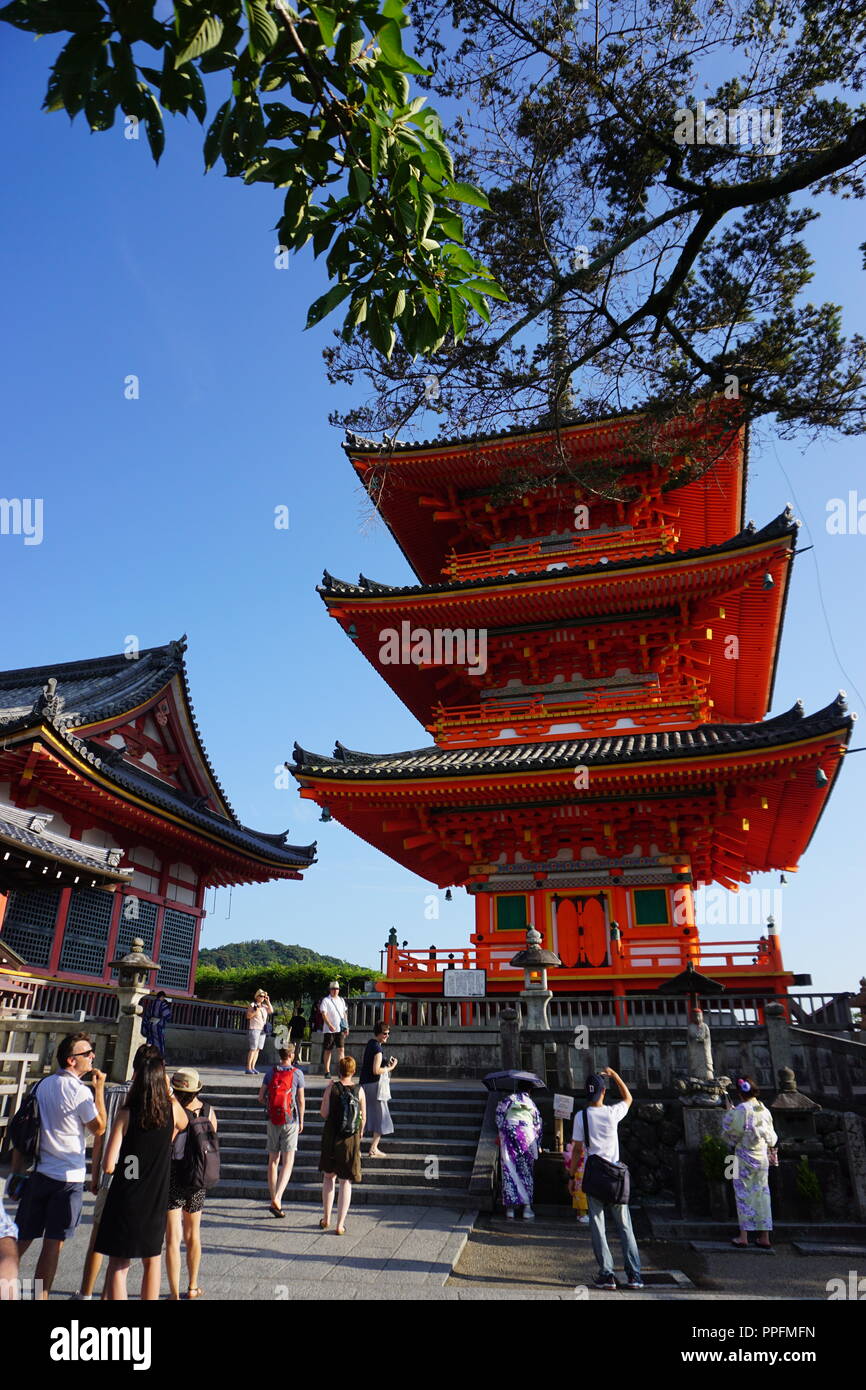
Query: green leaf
column 375, row 147
column 451, row 224
column 205, row 37
column 426, row 210
column 359, row 184
column 53, row 19
column 487, row 287
column 458, row 315
column 263, row 30
column 327, row 22
column 325, row 303
column 391, row 44
column 213, row 138
column 465, row 193
column 476, row 301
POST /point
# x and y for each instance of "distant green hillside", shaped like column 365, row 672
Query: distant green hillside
column 247, row 955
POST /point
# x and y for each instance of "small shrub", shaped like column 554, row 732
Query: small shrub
column 714, row 1153
column 808, row 1185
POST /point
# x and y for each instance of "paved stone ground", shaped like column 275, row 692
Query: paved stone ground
column 409, row 1253
column 249, row 1254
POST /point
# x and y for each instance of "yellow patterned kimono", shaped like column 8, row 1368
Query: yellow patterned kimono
column 749, row 1127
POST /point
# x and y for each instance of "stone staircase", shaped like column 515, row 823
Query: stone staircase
column 429, row 1159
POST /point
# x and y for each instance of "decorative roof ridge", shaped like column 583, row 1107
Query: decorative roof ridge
column 651, row 743
column 782, row 525
column 65, row 670
column 358, row 444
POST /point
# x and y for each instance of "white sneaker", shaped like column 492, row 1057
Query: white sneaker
column 584, row 1220
column 509, row 1213
column 528, row 1214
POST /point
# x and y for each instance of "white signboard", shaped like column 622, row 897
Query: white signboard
column 464, row 984
column 563, row 1107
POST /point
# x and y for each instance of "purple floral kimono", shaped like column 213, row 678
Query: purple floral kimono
column 519, row 1125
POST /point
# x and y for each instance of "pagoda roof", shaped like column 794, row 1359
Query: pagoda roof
column 99, row 689
column 708, row 740
column 26, row 834
column 397, row 475
column 784, row 525
column 59, row 705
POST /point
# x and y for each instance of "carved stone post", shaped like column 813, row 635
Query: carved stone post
column 131, row 987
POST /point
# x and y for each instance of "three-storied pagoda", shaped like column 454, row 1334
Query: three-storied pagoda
column 112, row 821
column 592, row 646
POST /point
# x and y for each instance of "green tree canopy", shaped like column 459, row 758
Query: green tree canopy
column 315, row 100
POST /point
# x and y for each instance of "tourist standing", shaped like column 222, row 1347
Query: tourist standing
column 344, row 1112
column 335, row 1023
column 749, row 1128
column 519, row 1126
column 376, row 1083
column 139, row 1151
column 258, row 1013
column 185, row 1202
column 297, row 1025
column 156, row 1015
column 282, row 1091
column 115, row 1097
column 68, row 1111
column 595, row 1133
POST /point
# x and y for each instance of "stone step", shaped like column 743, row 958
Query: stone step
column 393, row 1161
column 451, row 1148
column 376, row 1176
column 255, row 1131
column 364, row 1193
column 398, row 1105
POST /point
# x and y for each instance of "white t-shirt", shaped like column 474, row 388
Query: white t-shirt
column 333, row 1012
column 602, row 1125
column 65, row 1107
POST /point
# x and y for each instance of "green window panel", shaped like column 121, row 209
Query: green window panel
column 651, row 907
column 511, row 912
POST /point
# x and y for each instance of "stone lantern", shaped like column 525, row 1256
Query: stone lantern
column 132, row 985
column 793, row 1113
column 534, row 961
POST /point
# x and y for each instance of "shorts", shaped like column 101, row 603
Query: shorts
column 49, row 1208
column 181, row 1198
column 255, row 1039
column 8, row 1229
column 283, row 1139
column 332, row 1040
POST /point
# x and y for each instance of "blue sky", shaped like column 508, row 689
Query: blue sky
column 158, row 512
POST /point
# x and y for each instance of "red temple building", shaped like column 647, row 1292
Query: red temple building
column 592, row 648
column 112, row 821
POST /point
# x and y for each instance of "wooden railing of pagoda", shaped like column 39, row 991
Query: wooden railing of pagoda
column 534, row 715
column 587, row 548
column 671, row 954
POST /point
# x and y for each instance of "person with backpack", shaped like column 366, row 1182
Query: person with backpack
column 194, row 1169
column 519, row 1130
column 605, row 1179
column 344, row 1111
column 51, row 1128
column 139, row 1153
column 282, row 1091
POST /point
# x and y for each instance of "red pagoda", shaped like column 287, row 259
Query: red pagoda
column 112, row 821
column 592, row 647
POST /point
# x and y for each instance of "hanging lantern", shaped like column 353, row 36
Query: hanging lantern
column 448, row 897
column 783, row 878
column 352, row 632
column 326, row 815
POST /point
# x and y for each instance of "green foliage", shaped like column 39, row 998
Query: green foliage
column 366, row 173
column 246, row 954
column 284, row 983
column 808, row 1185
column 714, row 1155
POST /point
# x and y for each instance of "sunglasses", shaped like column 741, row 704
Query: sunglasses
column 89, row 1053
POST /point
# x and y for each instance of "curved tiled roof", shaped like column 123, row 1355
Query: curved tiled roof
column 782, row 525
column 706, row 740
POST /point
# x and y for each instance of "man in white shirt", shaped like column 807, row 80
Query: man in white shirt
column 68, row 1111
column 335, row 1028
column 600, row 1137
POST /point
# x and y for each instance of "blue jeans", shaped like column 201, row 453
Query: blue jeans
column 600, row 1248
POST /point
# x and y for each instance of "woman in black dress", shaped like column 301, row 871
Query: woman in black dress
column 138, row 1154
column 341, row 1154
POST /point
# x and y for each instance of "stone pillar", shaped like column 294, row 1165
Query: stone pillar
column 855, row 1154
column 778, row 1038
column 509, row 1034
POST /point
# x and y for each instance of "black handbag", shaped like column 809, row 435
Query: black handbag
column 607, row 1182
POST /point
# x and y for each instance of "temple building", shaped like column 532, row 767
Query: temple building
column 591, row 646
column 112, row 821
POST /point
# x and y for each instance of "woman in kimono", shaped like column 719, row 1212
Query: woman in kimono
column 157, row 1015
column 519, row 1126
column 749, row 1128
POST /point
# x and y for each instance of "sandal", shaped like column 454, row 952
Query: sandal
column 194, row 1293
column 740, row 1244
column 340, row 1230
column 324, row 1225
column 276, row 1211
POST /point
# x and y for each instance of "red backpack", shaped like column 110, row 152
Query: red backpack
column 280, row 1096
